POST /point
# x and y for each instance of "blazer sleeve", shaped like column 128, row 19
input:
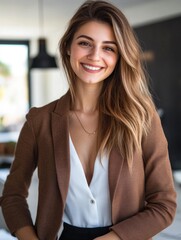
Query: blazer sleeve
column 13, row 202
column 160, row 195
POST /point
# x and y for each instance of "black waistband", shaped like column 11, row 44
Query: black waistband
column 76, row 233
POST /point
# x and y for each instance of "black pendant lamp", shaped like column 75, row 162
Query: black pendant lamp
column 43, row 59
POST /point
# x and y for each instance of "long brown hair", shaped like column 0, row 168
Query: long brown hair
column 125, row 104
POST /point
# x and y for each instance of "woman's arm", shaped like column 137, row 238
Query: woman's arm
column 13, row 202
column 160, row 195
column 26, row 233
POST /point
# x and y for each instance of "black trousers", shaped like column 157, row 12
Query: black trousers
column 77, row 233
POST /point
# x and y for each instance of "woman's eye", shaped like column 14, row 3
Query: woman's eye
column 84, row 44
column 109, row 49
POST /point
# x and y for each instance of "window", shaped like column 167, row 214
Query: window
column 14, row 86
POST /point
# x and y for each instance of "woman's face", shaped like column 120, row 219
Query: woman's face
column 93, row 52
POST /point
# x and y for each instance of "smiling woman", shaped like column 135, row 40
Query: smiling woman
column 100, row 149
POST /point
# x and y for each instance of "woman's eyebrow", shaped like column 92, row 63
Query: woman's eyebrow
column 91, row 39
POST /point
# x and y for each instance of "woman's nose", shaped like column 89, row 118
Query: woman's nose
column 94, row 54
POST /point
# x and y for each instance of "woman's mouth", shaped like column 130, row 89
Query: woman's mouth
column 91, row 68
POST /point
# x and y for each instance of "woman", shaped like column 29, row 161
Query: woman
column 101, row 153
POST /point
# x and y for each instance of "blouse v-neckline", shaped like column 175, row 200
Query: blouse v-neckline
column 80, row 164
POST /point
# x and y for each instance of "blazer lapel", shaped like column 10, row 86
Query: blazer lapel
column 115, row 166
column 60, row 131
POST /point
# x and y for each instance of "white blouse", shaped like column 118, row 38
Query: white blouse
column 88, row 205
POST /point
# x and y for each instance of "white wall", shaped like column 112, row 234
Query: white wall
column 47, row 85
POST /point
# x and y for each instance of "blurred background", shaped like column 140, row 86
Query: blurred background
column 31, row 72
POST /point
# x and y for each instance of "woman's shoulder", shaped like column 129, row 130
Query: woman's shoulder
column 42, row 112
column 34, row 111
column 46, row 110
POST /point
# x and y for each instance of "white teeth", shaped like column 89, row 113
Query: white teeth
column 91, row 67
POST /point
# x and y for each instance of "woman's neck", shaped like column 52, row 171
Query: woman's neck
column 86, row 99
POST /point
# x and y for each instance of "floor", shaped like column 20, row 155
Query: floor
column 173, row 232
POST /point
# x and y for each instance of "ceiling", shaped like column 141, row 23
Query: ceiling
column 21, row 17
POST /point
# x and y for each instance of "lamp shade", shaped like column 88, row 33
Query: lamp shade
column 43, row 59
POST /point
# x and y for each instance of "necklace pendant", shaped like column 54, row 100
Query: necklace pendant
column 93, row 133
column 89, row 133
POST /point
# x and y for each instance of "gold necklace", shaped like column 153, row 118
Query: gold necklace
column 89, row 133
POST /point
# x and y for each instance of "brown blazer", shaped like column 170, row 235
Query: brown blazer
column 143, row 201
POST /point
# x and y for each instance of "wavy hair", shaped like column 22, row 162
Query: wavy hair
column 125, row 102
